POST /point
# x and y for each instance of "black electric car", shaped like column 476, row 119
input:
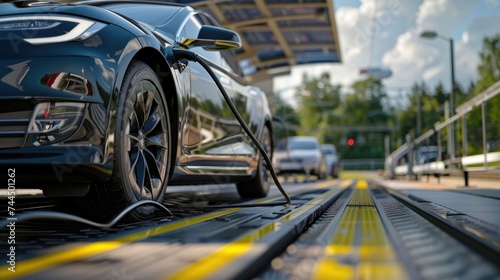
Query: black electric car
column 96, row 103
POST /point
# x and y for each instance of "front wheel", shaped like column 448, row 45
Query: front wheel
column 142, row 145
column 258, row 187
column 322, row 171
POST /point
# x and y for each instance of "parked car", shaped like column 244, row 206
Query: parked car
column 300, row 155
column 332, row 159
column 96, row 103
column 426, row 154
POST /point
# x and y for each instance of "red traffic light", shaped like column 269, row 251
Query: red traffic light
column 350, row 142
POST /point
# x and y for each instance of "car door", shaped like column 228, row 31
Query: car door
column 212, row 128
column 248, row 100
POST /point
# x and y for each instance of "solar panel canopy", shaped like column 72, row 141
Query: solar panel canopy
column 278, row 34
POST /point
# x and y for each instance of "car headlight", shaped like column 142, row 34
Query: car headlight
column 48, row 29
column 53, row 122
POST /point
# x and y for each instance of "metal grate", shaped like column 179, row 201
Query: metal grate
column 14, row 120
column 433, row 253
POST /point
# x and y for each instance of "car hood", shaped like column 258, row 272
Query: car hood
column 331, row 158
column 26, row 7
column 299, row 154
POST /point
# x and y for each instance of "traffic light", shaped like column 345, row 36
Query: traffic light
column 350, row 142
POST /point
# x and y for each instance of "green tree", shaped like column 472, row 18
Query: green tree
column 489, row 66
column 363, row 106
column 319, row 107
column 291, row 122
column 489, row 73
column 424, row 104
column 334, row 115
column 364, row 103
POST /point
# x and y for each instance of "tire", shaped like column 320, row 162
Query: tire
column 322, row 171
column 258, row 187
column 142, row 147
column 335, row 172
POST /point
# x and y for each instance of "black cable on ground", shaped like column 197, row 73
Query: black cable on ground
column 68, row 217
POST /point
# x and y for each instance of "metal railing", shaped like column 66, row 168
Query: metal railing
column 435, row 153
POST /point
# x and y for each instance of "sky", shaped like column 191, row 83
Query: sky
column 390, row 38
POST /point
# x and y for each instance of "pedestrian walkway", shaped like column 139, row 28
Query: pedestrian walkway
column 450, row 183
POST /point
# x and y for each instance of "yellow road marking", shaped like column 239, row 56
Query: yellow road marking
column 326, row 184
column 359, row 248
column 346, row 183
column 36, row 264
column 31, row 266
column 208, row 265
column 330, row 183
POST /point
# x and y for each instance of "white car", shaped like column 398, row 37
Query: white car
column 300, row 155
column 426, row 154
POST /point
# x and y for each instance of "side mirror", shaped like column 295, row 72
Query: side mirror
column 213, row 38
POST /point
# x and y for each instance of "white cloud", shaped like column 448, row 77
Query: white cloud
column 393, row 41
column 358, row 33
column 432, row 72
column 433, row 56
column 442, row 15
column 467, row 50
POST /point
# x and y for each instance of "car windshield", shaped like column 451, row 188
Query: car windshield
column 302, row 145
column 143, row 12
column 154, row 14
column 328, row 151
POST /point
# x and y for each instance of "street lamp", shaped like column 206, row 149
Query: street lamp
column 433, row 35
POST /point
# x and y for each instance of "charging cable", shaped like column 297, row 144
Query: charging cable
column 189, row 55
column 68, row 217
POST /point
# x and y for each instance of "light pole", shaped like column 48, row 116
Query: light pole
column 432, row 35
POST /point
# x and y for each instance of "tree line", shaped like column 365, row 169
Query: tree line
column 365, row 115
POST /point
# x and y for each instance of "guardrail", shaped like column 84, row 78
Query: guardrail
column 438, row 153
